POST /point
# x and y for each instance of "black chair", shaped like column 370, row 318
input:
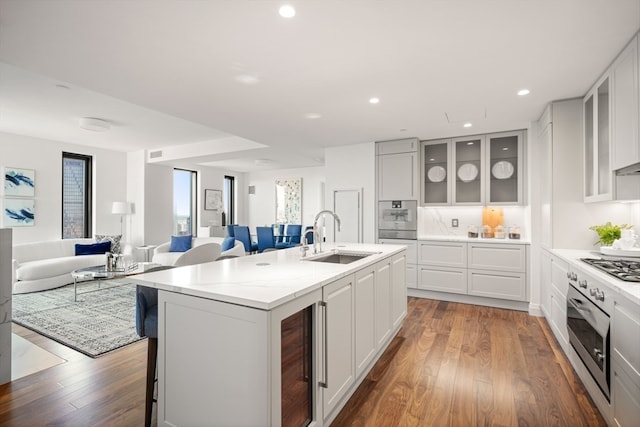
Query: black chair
column 147, row 326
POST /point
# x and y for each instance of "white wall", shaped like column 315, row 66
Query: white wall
column 45, row 157
column 352, row 167
column 261, row 206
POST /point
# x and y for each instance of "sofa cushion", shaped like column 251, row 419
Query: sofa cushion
column 93, row 248
column 180, row 243
column 227, row 243
column 34, row 270
column 114, row 239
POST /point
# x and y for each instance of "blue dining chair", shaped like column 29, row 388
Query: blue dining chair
column 265, row 238
column 279, row 237
column 242, row 233
column 292, row 237
column 310, row 235
column 147, row 326
column 230, row 230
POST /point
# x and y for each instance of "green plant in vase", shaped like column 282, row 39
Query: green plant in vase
column 609, row 233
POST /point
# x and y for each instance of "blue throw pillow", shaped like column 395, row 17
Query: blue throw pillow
column 93, row 248
column 180, row 243
column 227, row 243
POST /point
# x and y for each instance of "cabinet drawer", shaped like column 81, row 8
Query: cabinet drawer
column 397, row 146
column 446, row 254
column 626, row 339
column 452, row 280
column 498, row 257
column 511, row 286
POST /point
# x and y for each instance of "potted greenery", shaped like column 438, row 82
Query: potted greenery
column 609, row 233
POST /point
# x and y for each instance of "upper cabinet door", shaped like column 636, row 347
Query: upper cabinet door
column 397, row 173
column 598, row 177
column 435, row 175
column 468, row 156
column 504, row 168
column 624, row 110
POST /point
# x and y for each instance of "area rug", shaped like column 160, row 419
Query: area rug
column 102, row 320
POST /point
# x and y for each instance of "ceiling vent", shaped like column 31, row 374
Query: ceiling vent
column 155, row 154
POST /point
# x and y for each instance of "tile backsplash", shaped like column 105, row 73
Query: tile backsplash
column 437, row 220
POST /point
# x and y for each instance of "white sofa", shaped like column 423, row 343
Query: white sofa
column 203, row 249
column 45, row 265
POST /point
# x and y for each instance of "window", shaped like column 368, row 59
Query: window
column 229, row 199
column 76, row 196
column 184, row 201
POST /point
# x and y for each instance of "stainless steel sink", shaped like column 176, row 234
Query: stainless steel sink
column 341, row 257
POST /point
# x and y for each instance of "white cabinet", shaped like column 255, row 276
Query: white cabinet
column 473, row 170
column 383, row 302
column 339, row 372
column 497, row 271
column 365, row 316
column 397, row 169
column 558, row 303
column 624, row 109
column 625, row 379
column 398, row 290
column 435, row 173
column 598, row 177
column 493, row 270
column 411, row 278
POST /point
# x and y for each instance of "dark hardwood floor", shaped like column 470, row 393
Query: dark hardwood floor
column 450, row 365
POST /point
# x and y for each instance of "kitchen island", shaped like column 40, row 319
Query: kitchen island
column 274, row 339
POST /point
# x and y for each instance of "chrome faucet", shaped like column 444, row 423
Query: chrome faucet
column 305, row 241
column 315, row 229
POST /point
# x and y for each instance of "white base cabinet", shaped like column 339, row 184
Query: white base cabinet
column 489, row 270
column 214, row 357
column 625, row 377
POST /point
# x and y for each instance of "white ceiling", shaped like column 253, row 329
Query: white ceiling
column 174, row 73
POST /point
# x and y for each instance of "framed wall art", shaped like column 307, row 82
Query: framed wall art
column 18, row 213
column 19, row 182
column 289, row 201
column 212, row 200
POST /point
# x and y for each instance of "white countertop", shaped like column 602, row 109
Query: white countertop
column 629, row 290
column 453, row 238
column 262, row 281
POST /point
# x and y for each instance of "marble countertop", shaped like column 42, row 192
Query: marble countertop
column 629, row 290
column 262, row 281
column 454, row 238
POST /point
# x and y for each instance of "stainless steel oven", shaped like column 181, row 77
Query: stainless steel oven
column 397, row 219
column 588, row 325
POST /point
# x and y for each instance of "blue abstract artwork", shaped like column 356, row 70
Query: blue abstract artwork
column 19, row 212
column 19, row 182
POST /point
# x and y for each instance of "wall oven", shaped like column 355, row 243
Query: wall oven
column 397, row 219
column 588, row 325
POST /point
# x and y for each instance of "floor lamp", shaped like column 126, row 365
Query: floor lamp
column 122, row 209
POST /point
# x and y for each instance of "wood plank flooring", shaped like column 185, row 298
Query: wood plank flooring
column 465, row 365
column 450, row 365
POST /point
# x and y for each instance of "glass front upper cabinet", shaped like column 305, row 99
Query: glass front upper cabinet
column 468, row 153
column 597, row 169
column 504, row 168
column 436, row 181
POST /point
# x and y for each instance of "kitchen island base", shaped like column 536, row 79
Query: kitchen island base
column 223, row 364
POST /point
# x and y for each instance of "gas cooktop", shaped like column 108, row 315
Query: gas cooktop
column 626, row 270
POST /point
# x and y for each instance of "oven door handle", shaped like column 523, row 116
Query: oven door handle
column 577, row 305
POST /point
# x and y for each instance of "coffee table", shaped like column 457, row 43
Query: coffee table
column 99, row 272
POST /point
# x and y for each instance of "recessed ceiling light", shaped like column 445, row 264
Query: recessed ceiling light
column 403, row 130
column 432, row 160
column 523, row 92
column 374, row 100
column 469, row 143
column 505, row 148
column 312, row 116
column 467, row 125
column 287, row 11
column 61, row 86
column 95, row 125
column 247, row 79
